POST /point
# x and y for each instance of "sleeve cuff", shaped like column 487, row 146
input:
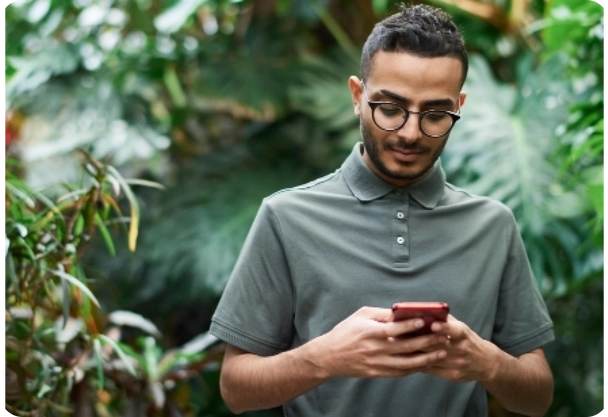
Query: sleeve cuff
column 244, row 341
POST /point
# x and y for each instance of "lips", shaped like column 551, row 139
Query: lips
column 406, row 155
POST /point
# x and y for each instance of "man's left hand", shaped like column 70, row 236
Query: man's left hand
column 469, row 357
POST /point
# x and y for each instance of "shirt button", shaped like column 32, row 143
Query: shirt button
column 400, row 215
column 398, row 192
column 400, row 240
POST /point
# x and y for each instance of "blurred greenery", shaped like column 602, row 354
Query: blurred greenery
column 61, row 347
column 226, row 101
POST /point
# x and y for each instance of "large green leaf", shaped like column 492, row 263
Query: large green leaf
column 505, row 139
column 503, row 148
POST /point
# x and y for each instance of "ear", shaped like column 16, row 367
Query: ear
column 354, row 84
column 462, row 98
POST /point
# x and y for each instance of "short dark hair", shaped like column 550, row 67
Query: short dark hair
column 421, row 30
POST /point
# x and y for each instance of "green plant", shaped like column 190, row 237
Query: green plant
column 580, row 154
column 574, row 30
column 161, row 384
column 64, row 354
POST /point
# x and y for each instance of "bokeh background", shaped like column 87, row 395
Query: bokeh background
column 142, row 135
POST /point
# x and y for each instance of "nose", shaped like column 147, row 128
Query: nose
column 410, row 131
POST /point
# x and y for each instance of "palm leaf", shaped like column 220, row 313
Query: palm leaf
column 323, row 94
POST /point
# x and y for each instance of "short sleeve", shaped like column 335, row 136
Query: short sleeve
column 255, row 312
column 522, row 321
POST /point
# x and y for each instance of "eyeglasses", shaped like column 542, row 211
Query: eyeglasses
column 392, row 116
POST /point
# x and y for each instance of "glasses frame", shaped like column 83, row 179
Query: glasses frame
column 374, row 104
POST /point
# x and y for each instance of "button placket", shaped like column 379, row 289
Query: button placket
column 401, row 251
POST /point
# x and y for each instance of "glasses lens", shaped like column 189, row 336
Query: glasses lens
column 389, row 116
column 436, row 123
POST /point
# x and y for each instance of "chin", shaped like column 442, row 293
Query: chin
column 410, row 174
column 407, row 172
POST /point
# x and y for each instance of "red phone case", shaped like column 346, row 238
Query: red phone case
column 430, row 311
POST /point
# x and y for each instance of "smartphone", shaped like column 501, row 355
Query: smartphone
column 430, row 311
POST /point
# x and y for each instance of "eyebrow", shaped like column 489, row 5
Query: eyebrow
column 437, row 102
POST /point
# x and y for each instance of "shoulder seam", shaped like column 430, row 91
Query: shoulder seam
column 307, row 185
column 462, row 190
column 472, row 195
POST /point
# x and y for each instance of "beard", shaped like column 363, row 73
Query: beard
column 373, row 145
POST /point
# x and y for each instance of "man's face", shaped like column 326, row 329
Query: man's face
column 404, row 156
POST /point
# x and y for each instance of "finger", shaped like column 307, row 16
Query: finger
column 400, row 365
column 402, row 327
column 441, row 342
column 422, row 360
column 452, row 328
column 383, row 315
column 418, row 344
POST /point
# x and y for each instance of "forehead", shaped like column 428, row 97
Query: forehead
column 413, row 76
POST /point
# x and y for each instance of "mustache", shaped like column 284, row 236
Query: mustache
column 402, row 145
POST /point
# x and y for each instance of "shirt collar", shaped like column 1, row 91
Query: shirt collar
column 367, row 186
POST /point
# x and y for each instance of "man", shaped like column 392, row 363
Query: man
column 306, row 314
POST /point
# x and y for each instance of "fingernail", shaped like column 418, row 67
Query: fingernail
column 442, row 354
column 419, row 323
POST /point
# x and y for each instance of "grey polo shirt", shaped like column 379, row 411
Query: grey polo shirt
column 318, row 252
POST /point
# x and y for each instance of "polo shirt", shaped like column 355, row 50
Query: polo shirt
column 316, row 253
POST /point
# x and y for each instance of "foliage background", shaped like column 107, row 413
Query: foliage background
column 224, row 102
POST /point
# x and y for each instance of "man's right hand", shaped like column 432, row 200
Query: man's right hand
column 370, row 344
